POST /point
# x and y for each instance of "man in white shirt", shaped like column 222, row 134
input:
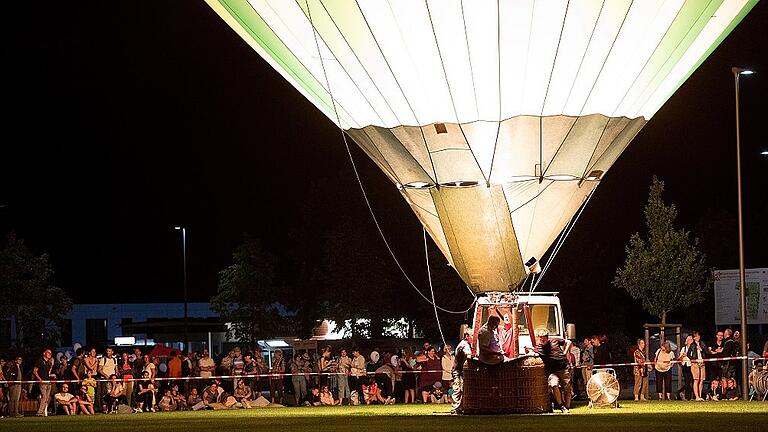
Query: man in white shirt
column 67, row 400
column 107, row 368
column 206, row 365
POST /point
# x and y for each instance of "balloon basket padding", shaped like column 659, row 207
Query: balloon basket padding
column 511, row 387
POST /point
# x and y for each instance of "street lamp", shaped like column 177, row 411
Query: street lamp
column 737, row 72
column 184, row 255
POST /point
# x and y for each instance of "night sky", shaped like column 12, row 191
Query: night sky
column 124, row 119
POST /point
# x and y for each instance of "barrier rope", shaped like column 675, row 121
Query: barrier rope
column 307, row 374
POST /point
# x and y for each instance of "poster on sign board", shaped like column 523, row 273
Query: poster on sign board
column 727, row 296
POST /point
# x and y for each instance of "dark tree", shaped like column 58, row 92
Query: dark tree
column 664, row 271
column 29, row 296
column 247, row 295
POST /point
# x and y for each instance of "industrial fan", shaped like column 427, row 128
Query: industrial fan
column 603, row 388
column 758, row 379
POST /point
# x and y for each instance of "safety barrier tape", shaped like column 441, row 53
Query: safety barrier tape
column 196, row 378
column 306, row 374
column 650, row 363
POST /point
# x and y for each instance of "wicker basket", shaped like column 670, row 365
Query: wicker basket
column 512, row 387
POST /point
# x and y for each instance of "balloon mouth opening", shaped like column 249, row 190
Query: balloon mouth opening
column 561, row 177
column 459, row 184
column 418, row 185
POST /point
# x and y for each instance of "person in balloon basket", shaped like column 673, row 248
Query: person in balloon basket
column 556, row 367
column 488, row 342
column 463, row 352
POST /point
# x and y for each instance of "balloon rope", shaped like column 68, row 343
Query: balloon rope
column 563, row 236
column 362, row 188
column 431, row 288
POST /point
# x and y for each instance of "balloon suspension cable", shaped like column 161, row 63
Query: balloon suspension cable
column 362, row 188
column 561, row 240
column 431, row 288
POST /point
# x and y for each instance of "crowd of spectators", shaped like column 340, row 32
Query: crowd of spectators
column 110, row 382
column 704, row 377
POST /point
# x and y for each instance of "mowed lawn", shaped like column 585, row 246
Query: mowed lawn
column 645, row 416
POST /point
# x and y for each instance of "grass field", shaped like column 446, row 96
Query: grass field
column 646, row 416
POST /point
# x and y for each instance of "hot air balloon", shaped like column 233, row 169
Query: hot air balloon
column 495, row 120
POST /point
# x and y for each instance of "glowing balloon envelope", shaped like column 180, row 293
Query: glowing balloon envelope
column 495, row 120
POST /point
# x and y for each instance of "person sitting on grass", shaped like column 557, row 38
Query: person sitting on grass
column 313, row 398
column 731, row 391
column 167, row 402
column 67, row 400
column 437, row 395
column 243, row 394
column 115, row 395
column 85, row 401
column 326, row 398
column 145, row 395
column 715, row 392
column 194, row 397
column 372, row 393
column 178, row 396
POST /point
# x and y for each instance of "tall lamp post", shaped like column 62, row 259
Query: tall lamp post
column 184, row 254
column 737, row 72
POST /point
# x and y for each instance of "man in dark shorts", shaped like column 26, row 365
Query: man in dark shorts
column 556, row 367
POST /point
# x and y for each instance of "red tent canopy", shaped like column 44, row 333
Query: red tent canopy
column 161, row 350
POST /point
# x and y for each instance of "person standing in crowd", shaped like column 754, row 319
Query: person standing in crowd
column 127, row 374
column 78, row 369
column 447, row 363
column 686, row 391
column 357, row 373
column 574, row 360
column 600, row 351
column 640, row 372
column 14, row 372
column 463, row 352
column 728, row 367
column 92, row 363
column 107, row 368
column 276, row 385
column 327, row 366
column 431, row 373
column 174, row 367
column 206, row 364
column 137, row 361
column 695, row 351
column 64, row 370
column 149, row 366
column 408, row 381
column 715, row 351
column 488, row 342
column 298, row 379
column 663, row 365
column 43, row 372
column 555, row 367
column 345, row 364
column 587, row 360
